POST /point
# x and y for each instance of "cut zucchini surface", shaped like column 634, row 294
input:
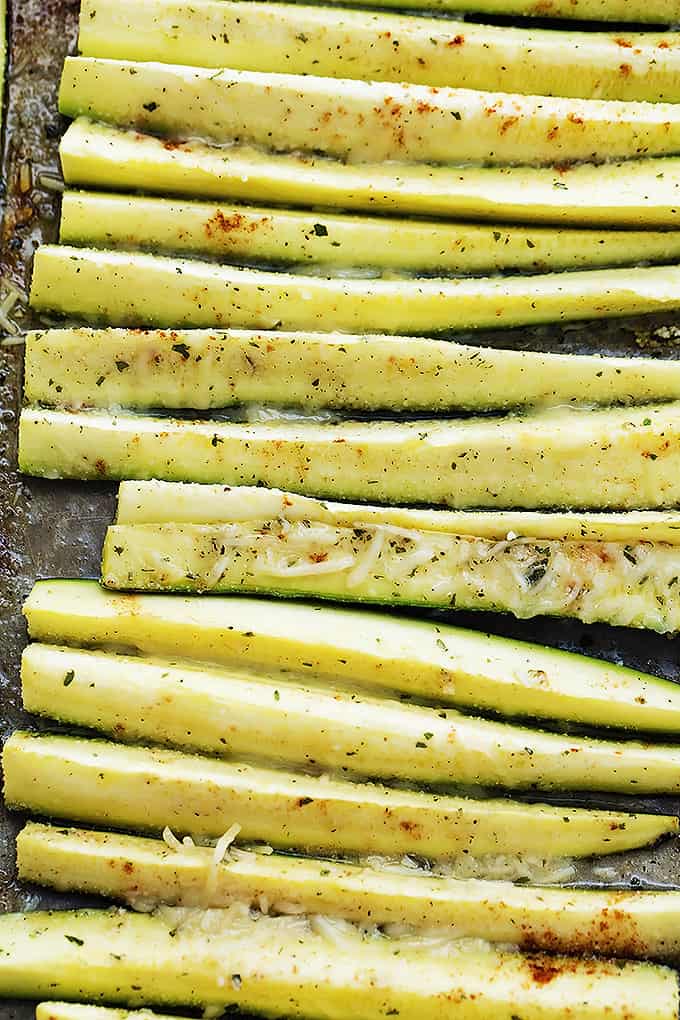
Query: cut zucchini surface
column 441, row 663
column 636, row 193
column 147, row 789
column 157, row 502
column 338, row 552
column 241, row 232
column 621, row 459
column 225, row 713
column 343, row 43
column 184, row 959
column 137, row 870
column 201, row 369
column 363, row 121
column 138, row 289
column 628, row 585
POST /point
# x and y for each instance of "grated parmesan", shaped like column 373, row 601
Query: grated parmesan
column 368, row 561
column 629, row 584
column 497, row 867
column 224, row 842
column 171, row 839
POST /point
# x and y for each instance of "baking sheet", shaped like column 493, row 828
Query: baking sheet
column 55, row 528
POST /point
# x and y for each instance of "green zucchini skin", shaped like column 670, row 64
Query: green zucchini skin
column 624, row 585
column 204, row 369
column 621, row 458
column 225, row 713
column 147, row 789
column 235, row 233
column 636, row 193
column 341, row 43
column 139, row 960
column 439, row 663
column 363, row 121
column 136, row 870
column 137, row 289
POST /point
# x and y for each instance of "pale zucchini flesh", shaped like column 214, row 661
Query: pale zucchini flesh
column 342, row 43
column 365, row 122
column 628, row 585
column 172, row 960
column 137, row 289
column 236, row 233
column 147, row 789
column 157, row 502
column 445, row 664
column 204, row 369
column 622, row 458
column 636, row 193
column 226, row 713
column 142, row 871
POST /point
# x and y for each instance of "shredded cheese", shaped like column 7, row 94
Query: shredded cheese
column 367, row 562
column 626, row 584
column 171, row 839
column 224, row 842
column 11, row 298
column 50, row 182
column 495, row 867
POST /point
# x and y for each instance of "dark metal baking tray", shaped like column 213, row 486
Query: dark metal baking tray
column 56, row 528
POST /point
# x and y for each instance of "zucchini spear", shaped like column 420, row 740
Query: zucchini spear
column 420, row 659
column 226, row 713
column 343, row 43
column 137, row 289
column 258, row 965
column 636, row 193
column 157, row 502
column 620, row 458
column 212, row 369
column 146, row 789
column 136, row 870
column 352, row 554
column 363, row 121
column 236, row 233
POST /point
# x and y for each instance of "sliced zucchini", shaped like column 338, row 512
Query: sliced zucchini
column 363, row 121
column 147, row 789
column 226, row 713
column 137, row 289
column 344, row 43
column 444, row 664
column 157, row 502
column 636, row 193
column 224, row 959
column 368, row 559
column 246, row 233
column 145, row 871
column 621, row 458
column 212, row 369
